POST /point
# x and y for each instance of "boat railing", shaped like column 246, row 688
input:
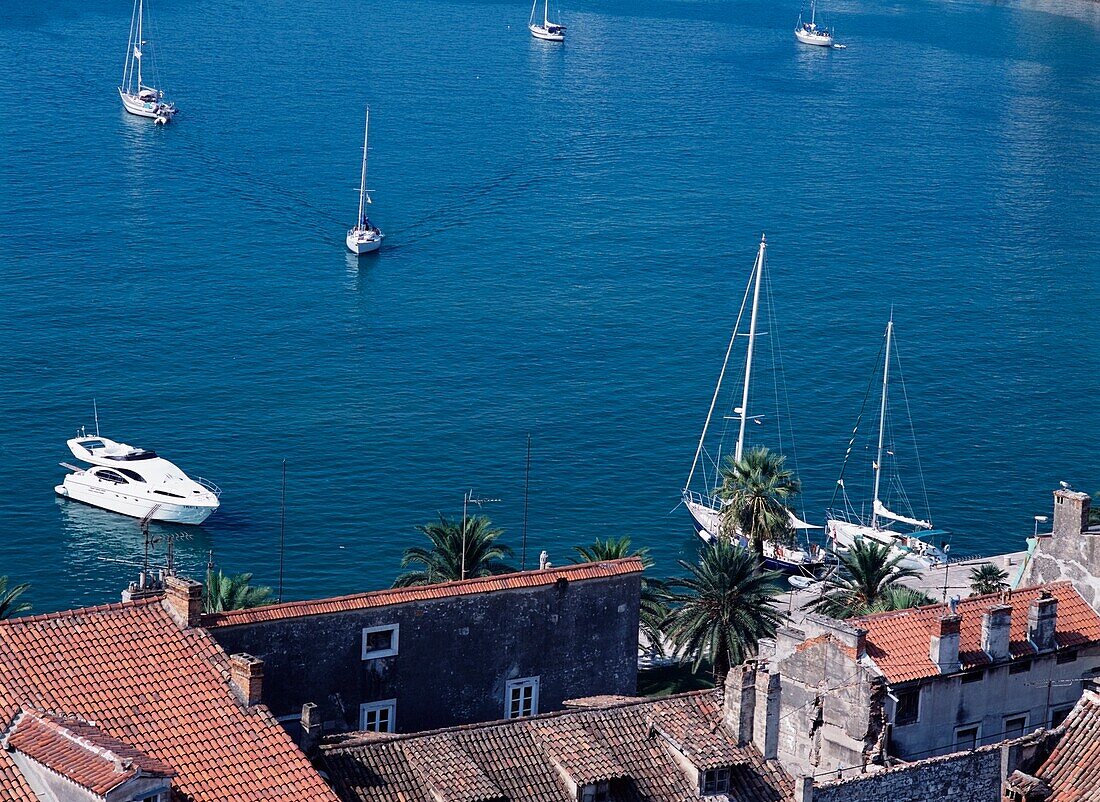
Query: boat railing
column 844, row 516
column 213, row 488
column 704, row 499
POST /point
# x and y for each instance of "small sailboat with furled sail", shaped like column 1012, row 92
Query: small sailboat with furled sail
column 364, row 236
column 137, row 97
column 546, row 30
column 809, row 34
column 706, row 507
column 903, row 533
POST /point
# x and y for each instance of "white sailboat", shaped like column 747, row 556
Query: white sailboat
column 844, row 527
column 706, row 507
column 809, row 34
column 550, row 31
column 364, row 236
column 137, row 97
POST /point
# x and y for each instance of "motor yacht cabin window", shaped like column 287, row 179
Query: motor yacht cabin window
column 111, row 476
column 131, row 474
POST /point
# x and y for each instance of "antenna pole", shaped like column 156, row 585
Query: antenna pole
column 465, row 499
column 748, row 356
column 526, row 488
column 95, row 411
column 282, row 532
column 882, row 421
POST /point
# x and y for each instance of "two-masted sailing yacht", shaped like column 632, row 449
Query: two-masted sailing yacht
column 706, row 507
column 550, row 31
column 844, row 526
column 364, row 236
column 137, row 97
column 809, row 34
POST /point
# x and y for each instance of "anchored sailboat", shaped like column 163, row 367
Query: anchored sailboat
column 137, row 98
column 706, row 507
column 809, row 34
column 364, row 236
column 550, row 31
column 845, row 527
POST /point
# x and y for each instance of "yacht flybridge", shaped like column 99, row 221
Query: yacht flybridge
column 137, row 98
column 809, row 34
column 547, row 30
column 706, row 507
column 135, row 482
column 364, row 236
column 844, row 526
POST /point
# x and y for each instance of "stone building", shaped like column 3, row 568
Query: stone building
column 1071, row 552
column 410, row 659
column 919, row 683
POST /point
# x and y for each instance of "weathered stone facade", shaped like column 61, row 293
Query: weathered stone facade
column 455, row 654
column 1071, row 551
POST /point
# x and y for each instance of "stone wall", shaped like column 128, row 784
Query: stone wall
column 1071, row 552
column 455, row 654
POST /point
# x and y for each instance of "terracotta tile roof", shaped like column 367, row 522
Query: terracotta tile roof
column 1073, row 769
column 82, row 752
column 898, row 642
column 160, row 690
column 384, row 598
column 448, row 771
column 518, row 757
column 702, row 738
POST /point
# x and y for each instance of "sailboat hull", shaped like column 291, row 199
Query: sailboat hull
column 909, row 548
column 539, row 32
column 360, row 244
column 813, row 38
column 145, row 108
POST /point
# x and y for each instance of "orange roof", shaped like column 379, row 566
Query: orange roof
column 1073, row 769
column 157, row 688
column 897, row 642
column 384, row 598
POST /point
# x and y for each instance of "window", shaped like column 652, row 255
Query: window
column 1066, row 657
column 521, row 697
column 1059, row 715
column 906, row 707
column 968, row 737
column 973, row 676
column 108, row 475
column 378, row 716
column 1020, row 667
column 132, row 474
column 596, row 792
column 380, row 641
column 1015, row 726
column 716, row 781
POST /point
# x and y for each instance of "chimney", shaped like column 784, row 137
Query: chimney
column 1071, row 513
column 1042, row 621
column 996, row 626
column 311, row 727
column 765, row 732
column 184, row 600
column 943, row 646
column 739, row 701
column 246, row 673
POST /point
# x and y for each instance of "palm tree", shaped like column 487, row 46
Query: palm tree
column 443, row 562
column 756, row 490
column 988, row 578
column 726, row 607
column 9, row 604
column 654, row 605
column 224, row 592
column 868, row 582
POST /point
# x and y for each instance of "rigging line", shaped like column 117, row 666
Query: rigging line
column 721, row 375
column 859, row 420
column 913, row 432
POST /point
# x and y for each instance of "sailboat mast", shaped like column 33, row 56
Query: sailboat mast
column 748, row 355
column 813, row 11
column 545, row 13
column 363, row 175
column 140, row 43
column 882, row 421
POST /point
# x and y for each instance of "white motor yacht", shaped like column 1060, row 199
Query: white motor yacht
column 546, row 30
column 364, row 236
column 809, row 34
column 137, row 98
column 135, row 482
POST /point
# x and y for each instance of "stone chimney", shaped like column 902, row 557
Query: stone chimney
column 1071, row 513
column 996, row 627
column 765, row 730
column 1042, row 621
column 246, row 673
column 183, row 598
column 943, row 646
column 739, row 701
column 311, row 727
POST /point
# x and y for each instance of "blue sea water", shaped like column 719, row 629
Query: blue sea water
column 569, row 232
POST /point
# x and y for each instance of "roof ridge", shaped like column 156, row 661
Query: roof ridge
column 98, row 608
column 397, row 738
column 969, row 600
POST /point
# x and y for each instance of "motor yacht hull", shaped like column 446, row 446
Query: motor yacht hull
column 81, row 487
column 359, row 244
column 810, row 38
column 539, row 32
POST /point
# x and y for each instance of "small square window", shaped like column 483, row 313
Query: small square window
column 1066, row 657
column 380, row 641
column 595, row 792
column 1059, row 715
column 378, row 716
column 1019, row 667
column 907, row 707
column 1015, row 726
column 973, row 676
column 521, row 697
column 715, row 781
column 967, row 738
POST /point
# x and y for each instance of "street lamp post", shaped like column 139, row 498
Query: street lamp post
column 468, row 498
column 1039, row 519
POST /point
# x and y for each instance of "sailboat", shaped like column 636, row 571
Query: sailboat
column 809, row 34
column 550, row 31
column 706, row 508
column 137, row 98
column 844, row 527
column 364, row 236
